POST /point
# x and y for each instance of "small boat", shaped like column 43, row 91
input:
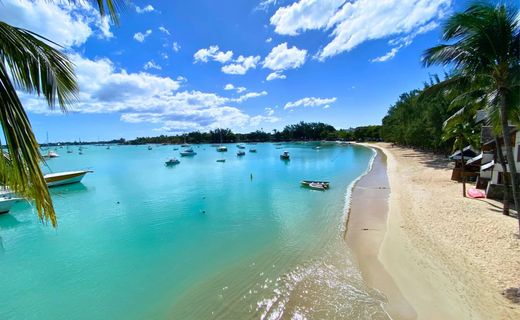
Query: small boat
column 171, row 162
column 315, row 184
column 188, row 153
column 6, row 203
column 252, row 150
column 221, row 160
column 66, row 177
column 285, row 155
column 50, row 154
column 69, row 151
column 108, row 147
column 222, row 149
column 240, row 153
column 185, row 145
column 240, row 146
column 149, row 147
column 175, row 149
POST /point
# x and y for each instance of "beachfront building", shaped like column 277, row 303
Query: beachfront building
column 491, row 175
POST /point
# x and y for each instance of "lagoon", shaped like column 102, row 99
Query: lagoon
column 199, row 240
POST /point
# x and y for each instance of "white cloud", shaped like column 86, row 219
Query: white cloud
column 282, row 58
column 269, row 111
column 176, row 47
column 269, row 40
column 275, row 75
column 230, row 86
column 151, row 65
column 309, row 102
column 304, row 15
column 265, row 4
column 164, row 55
column 213, row 52
column 140, row 37
column 164, row 30
column 148, row 8
column 241, row 65
column 354, row 22
column 142, row 97
column 388, row 56
column 68, row 24
column 249, row 95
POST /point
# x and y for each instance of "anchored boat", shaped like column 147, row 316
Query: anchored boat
column 240, row 153
column 172, row 162
column 66, row 177
column 318, row 185
column 188, row 153
column 285, row 155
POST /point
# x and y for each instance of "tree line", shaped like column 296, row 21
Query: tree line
column 302, row 131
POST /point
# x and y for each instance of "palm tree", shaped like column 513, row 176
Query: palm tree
column 461, row 129
column 31, row 63
column 484, row 47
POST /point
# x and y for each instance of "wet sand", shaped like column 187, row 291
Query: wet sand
column 449, row 257
column 366, row 230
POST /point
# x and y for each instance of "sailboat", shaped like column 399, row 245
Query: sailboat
column 221, row 148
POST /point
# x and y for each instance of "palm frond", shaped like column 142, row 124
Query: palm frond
column 21, row 172
column 36, row 66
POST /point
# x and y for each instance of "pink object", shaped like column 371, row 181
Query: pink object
column 476, row 193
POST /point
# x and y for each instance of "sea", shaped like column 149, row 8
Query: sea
column 240, row 239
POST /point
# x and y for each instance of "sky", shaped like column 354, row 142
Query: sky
column 174, row 66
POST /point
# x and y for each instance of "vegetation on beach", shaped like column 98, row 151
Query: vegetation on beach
column 302, row 131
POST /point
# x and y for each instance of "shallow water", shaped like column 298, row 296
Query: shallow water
column 201, row 240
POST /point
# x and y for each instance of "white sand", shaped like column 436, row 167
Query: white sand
column 450, row 256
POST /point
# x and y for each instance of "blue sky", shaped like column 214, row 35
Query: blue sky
column 175, row 66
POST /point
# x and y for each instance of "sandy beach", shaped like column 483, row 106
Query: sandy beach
column 439, row 255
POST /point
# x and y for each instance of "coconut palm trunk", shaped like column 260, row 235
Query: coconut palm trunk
column 500, row 154
column 509, row 150
column 463, row 172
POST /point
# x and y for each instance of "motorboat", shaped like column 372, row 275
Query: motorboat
column 252, row 150
column 240, row 146
column 6, row 203
column 188, row 153
column 241, row 153
column 51, row 154
column 316, row 184
column 185, row 145
column 172, row 162
column 149, row 147
column 222, row 149
column 221, row 160
column 66, row 177
column 285, row 155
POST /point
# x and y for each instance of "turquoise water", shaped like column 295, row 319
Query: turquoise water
column 201, row 240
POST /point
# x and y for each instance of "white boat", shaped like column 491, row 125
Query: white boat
column 317, row 186
column 240, row 146
column 285, row 155
column 172, row 162
column 6, row 203
column 222, row 149
column 66, row 177
column 51, row 154
column 188, row 153
column 185, row 145
column 240, row 153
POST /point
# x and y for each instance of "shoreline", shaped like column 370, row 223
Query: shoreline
column 448, row 257
column 365, row 232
